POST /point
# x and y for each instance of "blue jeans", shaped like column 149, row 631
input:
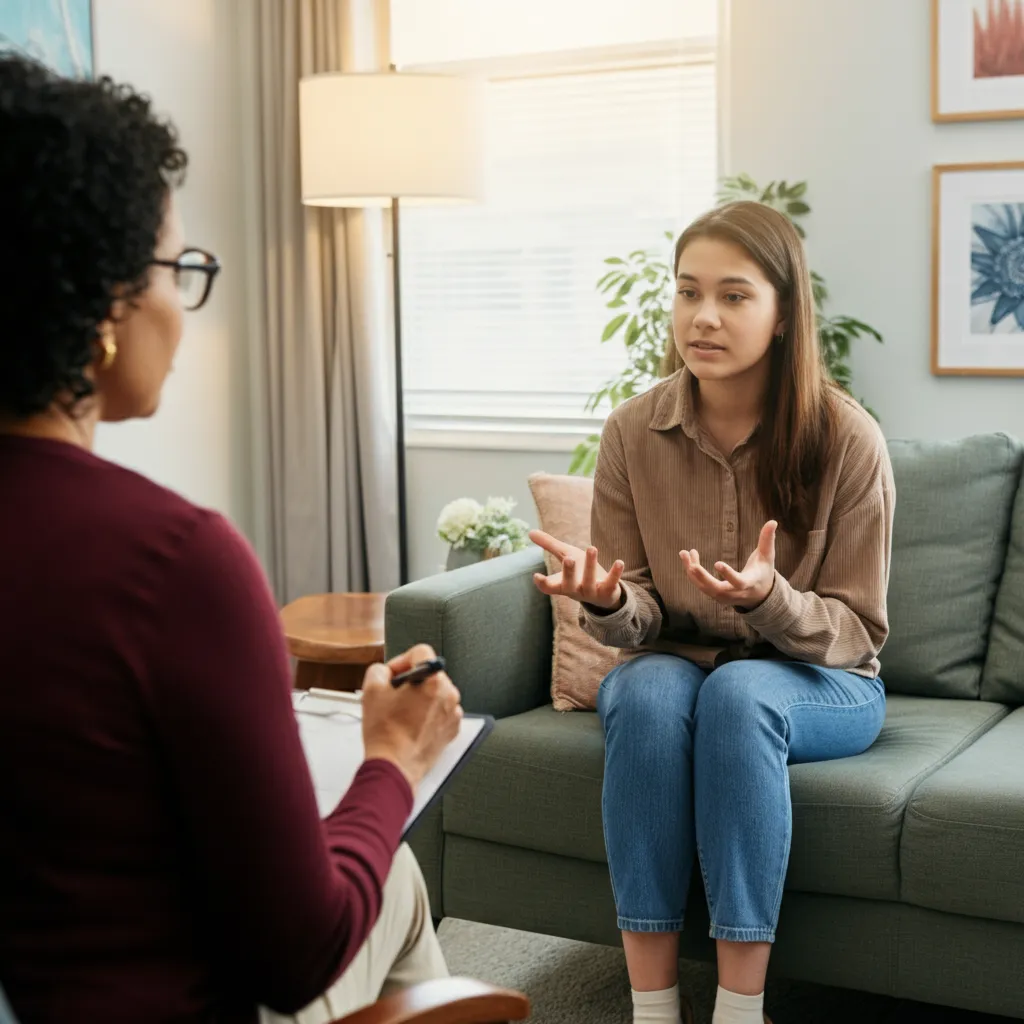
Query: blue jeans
column 695, row 763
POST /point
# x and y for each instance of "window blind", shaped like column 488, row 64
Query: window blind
column 501, row 318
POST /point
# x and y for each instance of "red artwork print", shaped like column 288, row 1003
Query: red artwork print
column 999, row 40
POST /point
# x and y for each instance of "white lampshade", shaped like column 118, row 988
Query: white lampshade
column 368, row 137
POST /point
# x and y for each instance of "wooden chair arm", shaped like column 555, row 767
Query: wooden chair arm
column 446, row 1001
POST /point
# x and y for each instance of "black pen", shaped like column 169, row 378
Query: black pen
column 419, row 673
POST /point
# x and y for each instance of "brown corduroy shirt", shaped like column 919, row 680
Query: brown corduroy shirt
column 662, row 486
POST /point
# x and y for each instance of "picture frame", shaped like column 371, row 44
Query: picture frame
column 57, row 33
column 977, row 60
column 978, row 269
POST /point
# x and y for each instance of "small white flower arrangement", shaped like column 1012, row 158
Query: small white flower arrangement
column 488, row 530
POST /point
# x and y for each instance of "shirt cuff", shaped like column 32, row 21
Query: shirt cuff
column 603, row 626
column 776, row 614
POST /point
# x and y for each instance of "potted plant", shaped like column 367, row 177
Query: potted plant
column 640, row 287
column 475, row 532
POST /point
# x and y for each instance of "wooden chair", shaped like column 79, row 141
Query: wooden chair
column 448, row 1001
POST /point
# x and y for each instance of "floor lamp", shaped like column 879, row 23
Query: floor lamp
column 385, row 138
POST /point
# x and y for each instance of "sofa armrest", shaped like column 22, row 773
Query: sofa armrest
column 489, row 622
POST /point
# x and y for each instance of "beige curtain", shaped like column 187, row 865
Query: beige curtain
column 322, row 409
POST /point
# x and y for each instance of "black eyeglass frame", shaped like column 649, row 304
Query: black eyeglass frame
column 211, row 268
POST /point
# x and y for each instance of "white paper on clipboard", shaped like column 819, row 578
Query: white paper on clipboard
column 332, row 738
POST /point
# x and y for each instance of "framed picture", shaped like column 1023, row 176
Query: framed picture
column 977, row 60
column 57, row 33
column 978, row 269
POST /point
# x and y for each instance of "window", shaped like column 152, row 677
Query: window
column 591, row 155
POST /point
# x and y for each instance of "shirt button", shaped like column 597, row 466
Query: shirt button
column 729, row 527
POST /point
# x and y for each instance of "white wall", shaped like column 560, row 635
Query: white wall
column 838, row 94
column 183, row 55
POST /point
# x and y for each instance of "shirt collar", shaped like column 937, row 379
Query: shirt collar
column 676, row 406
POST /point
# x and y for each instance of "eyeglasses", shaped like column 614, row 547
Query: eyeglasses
column 194, row 271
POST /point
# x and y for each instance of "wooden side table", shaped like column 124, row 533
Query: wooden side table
column 334, row 637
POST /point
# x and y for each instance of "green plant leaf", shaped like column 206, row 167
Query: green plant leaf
column 613, row 326
column 798, row 190
column 615, row 261
column 797, row 209
column 584, row 456
column 856, row 327
column 632, row 332
column 611, row 281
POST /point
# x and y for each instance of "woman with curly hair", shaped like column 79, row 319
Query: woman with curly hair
column 161, row 855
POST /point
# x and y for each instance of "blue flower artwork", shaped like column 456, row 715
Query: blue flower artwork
column 57, row 33
column 997, row 265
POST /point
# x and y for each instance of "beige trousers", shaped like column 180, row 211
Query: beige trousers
column 402, row 950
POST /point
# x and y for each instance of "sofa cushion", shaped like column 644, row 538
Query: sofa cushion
column 536, row 784
column 963, row 840
column 848, row 814
column 1003, row 677
column 953, row 504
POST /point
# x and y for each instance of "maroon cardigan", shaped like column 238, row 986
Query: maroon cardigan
column 161, row 855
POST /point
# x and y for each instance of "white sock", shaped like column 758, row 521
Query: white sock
column 657, row 1007
column 732, row 1008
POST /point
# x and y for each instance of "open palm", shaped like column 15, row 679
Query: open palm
column 745, row 589
column 582, row 577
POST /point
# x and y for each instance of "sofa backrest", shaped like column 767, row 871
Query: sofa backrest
column 1003, row 676
column 954, row 501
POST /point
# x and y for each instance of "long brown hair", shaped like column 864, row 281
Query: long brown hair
column 797, row 420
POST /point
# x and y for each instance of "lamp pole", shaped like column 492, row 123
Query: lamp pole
column 403, row 539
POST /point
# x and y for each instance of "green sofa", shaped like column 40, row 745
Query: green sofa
column 907, row 868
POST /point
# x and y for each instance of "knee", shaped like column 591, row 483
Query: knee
column 405, row 883
column 650, row 692
column 737, row 697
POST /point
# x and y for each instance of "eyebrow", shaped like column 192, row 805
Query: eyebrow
column 725, row 280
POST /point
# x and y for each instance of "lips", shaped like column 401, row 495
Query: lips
column 706, row 346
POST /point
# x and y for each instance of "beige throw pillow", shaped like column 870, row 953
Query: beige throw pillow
column 580, row 662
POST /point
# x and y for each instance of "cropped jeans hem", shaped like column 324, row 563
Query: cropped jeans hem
column 726, row 934
column 632, row 924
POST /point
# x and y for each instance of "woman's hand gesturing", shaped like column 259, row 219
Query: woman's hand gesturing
column 746, row 589
column 581, row 578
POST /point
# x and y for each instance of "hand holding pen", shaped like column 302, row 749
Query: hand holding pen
column 409, row 725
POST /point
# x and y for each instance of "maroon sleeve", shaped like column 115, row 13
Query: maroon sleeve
column 290, row 899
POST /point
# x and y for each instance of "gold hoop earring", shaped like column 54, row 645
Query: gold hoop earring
column 109, row 346
column 779, row 338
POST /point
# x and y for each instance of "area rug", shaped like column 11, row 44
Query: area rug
column 576, row 983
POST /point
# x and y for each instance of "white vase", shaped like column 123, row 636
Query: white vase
column 458, row 557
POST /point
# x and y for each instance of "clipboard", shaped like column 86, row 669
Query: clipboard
column 332, row 739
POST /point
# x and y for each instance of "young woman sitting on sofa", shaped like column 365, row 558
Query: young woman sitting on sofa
column 743, row 508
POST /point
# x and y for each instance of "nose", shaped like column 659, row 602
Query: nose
column 707, row 314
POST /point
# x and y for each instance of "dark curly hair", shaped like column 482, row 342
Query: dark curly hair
column 85, row 170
